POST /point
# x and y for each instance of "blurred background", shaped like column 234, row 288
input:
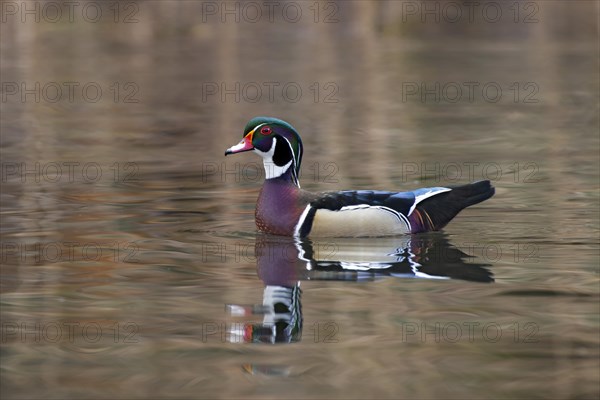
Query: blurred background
column 128, row 240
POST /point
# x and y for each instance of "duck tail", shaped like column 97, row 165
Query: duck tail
column 434, row 213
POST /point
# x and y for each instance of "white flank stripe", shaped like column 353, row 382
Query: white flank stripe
column 301, row 221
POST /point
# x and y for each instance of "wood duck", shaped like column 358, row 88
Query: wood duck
column 283, row 208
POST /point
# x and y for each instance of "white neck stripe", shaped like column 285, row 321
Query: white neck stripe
column 295, row 166
column 271, row 169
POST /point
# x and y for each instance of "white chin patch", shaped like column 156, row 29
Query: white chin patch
column 272, row 170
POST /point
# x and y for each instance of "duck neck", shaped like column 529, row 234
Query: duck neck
column 280, row 174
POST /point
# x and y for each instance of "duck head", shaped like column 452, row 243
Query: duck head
column 277, row 142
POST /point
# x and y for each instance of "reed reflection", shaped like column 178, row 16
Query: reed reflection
column 282, row 263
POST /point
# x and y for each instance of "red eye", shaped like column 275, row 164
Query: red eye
column 265, row 130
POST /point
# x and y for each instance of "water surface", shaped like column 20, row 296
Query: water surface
column 131, row 264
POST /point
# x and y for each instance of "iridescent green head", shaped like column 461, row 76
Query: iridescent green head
column 277, row 142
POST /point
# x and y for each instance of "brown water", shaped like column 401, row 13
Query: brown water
column 131, row 267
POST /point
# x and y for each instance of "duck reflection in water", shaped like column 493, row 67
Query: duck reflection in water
column 282, row 263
